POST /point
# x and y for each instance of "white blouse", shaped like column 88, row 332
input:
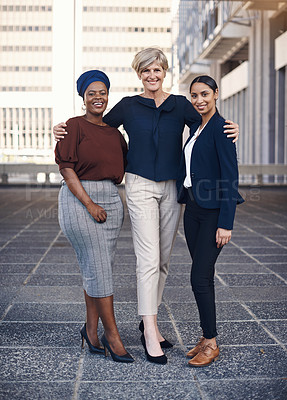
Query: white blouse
column 187, row 154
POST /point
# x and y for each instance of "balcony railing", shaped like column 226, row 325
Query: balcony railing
column 259, row 174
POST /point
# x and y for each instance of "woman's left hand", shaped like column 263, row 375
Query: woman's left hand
column 233, row 129
column 222, row 236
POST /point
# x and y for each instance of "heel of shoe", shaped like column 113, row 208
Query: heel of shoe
column 141, row 326
column 106, row 351
column 126, row 358
column 165, row 344
column 93, row 349
column 154, row 359
column 143, row 343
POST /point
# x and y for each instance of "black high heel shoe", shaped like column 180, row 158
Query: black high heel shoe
column 154, row 359
column 165, row 344
column 126, row 358
column 93, row 349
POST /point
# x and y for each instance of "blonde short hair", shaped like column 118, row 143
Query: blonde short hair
column 146, row 57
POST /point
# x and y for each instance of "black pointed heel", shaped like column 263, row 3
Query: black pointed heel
column 157, row 359
column 165, row 344
column 126, row 358
column 93, row 349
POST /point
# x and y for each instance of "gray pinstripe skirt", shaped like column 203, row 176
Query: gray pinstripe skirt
column 94, row 243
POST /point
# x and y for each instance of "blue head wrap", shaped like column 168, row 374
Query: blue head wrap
column 88, row 77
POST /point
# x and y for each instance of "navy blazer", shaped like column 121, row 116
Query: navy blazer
column 213, row 171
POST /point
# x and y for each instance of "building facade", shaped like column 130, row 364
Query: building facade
column 242, row 44
column 46, row 44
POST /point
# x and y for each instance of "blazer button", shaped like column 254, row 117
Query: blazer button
column 192, row 175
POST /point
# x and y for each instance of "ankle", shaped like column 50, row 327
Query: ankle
column 210, row 342
column 92, row 334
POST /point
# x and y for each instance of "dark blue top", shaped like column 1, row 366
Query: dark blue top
column 155, row 133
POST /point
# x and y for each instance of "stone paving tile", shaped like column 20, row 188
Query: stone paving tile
column 141, row 370
column 247, row 280
column 273, row 250
column 246, row 268
column 58, row 269
column 223, row 258
column 272, row 258
column 21, row 251
column 60, row 258
column 47, row 294
column 157, row 390
column 230, row 333
column 267, row 293
column 251, row 389
column 245, row 363
column 29, row 334
column 283, row 276
column 125, row 294
column 30, row 364
column 185, row 295
column 40, row 343
column 12, row 279
column 7, row 295
column 226, row 311
column 55, row 280
column 177, row 269
column 278, row 268
column 268, row 310
column 124, row 280
column 183, row 280
column 278, row 329
column 246, row 241
column 58, row 312
column 15, row 258
column 36, row 390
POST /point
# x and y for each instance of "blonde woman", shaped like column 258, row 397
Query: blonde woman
column 154, row 121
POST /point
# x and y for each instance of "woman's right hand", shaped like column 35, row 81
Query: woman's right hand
column 59, row 131
column 97, row 212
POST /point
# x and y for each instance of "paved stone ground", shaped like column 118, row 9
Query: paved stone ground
column 42, row 310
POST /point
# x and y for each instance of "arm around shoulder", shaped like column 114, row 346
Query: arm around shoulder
column 226, row 151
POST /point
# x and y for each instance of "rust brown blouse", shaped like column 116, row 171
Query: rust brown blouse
column 94, row 152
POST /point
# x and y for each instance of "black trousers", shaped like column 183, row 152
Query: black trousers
column 200, row 225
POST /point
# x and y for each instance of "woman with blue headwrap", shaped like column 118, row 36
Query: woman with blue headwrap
column 92, row 162
column 154, row 121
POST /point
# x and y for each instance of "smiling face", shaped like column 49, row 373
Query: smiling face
column 152, row 77
column 96, row 98
column 203, row 98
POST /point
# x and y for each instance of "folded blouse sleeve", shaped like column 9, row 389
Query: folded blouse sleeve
column 66, row 151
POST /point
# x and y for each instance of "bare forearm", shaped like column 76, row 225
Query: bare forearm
column 75, row 186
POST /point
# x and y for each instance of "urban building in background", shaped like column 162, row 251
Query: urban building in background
column 242, row 44
column 45, row 45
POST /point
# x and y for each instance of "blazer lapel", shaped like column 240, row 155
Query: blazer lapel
column 192, row 131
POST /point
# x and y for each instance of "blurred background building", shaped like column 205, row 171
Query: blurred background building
column 243, row 45
column 46, row 44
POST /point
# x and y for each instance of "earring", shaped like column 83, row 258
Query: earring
column 84, row 107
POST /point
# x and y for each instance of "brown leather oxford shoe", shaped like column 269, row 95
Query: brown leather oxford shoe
column 195, row 350
column 205, row 356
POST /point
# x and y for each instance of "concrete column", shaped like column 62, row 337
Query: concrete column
column 67, row 31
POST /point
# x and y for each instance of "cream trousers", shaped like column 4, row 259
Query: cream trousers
column 154, row 214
